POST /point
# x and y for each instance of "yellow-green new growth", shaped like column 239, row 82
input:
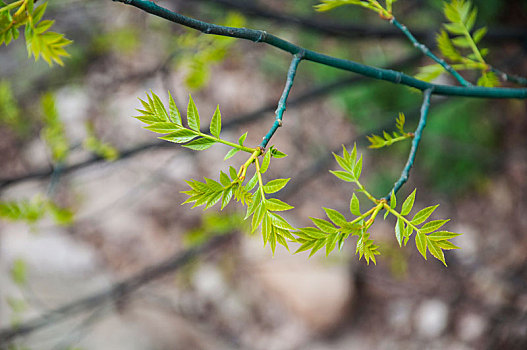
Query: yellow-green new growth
column 39, row 41
column 328, row 234
column 387, row 139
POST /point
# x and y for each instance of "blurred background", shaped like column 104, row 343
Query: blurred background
column 107, row 258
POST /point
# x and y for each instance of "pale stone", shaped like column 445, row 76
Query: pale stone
column 431, row 318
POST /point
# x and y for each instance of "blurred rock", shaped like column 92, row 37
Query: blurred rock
column 431, row 318
column 470, row 327
column 317, row 292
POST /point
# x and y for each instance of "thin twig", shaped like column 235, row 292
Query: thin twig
column 425, row 50
column 283, row 99
column 509, row 77
column 348, row 65
column 415, row 144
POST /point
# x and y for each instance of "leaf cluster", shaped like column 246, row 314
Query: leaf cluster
column 461, row 49
column 160, row 121
column 334, row 232
column 40, row 42
column 374, row 5
column 427, row 235
column 33, row 210
column 386, row 139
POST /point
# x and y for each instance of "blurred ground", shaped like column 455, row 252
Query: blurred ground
column 128, row 214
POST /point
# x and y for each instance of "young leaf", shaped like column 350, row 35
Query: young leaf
column 265, row 162
column 408, row 204
column 393, row 200
column 432, row 226
column 231, row 153
column 423, row 214
column 335, row 216
column 180, row 136
column 354, row 205
column 275, row 185
column 215, row 124
column 274, row 204
column 420, row 242
column 193, row 119
column 399, row 231
column 324, row 226
column 241, row 140
column 175, row 116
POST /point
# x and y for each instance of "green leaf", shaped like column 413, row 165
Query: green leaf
column 224, row 179
column 231, row 153
column 436, row 251
column 331, row 241
column 442, row 235
column 233, row 173
column 423, row 214
column 399, row 231
column 175, row 116
column 324, row 226
column 193, row 115
column 343, row 175
column 357, row 169
column 446, row 245
column 227, row 196
column 354, row 205
column 163, row 127
column 461, row 41
column 241, row 140
column 471, row 20
column 344, row 164
column 335, row 216
column 159, row 108
column 180, row 136
column 274, row 204
column 258, row 216
column 393, row 200
column 265, row 162
column 275, row 185
column 200, row 144
column 252, row 182
column 420, row 242
column 276, row 153
column 280, row 222
column 479, row 34
column 408, row 204
column 432, row 226
column 215, row 124
column 312, row 233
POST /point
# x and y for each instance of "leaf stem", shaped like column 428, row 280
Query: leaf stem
column 259, row 175
column 228, row 143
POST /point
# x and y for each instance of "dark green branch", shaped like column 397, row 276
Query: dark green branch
column 415, row 144
column 283, row 99
column 372, row 72
column 425, row 50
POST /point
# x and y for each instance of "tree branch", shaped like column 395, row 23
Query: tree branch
column 369, row 71
column 283, row 99
column 349, row 30
column 425, row 50
column 415, row 144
